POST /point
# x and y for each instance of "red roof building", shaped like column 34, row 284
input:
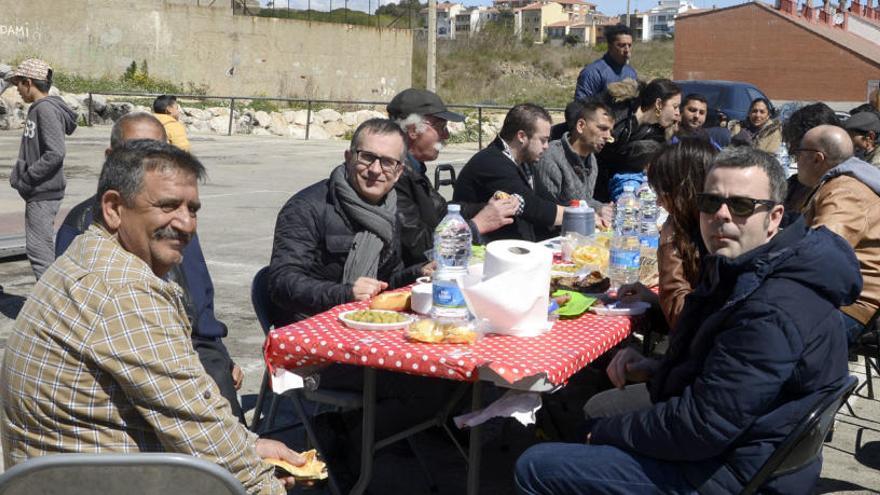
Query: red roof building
column 812, row 54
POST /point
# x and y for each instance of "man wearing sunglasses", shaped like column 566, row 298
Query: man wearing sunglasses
column 338, row 240
column 759, row 341
column 845, row 198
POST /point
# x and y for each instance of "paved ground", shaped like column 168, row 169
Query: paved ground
column 249, row 180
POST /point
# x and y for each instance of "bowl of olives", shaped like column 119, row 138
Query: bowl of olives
column 375, row 319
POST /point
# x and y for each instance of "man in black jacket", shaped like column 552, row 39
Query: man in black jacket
column 759, row 342
column 338, row 240
column 505, row 165
column 423, row 116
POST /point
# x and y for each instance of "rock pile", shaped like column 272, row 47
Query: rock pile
column 325, row 123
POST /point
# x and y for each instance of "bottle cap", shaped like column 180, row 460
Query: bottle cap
column 453, row 208
column 574, row 202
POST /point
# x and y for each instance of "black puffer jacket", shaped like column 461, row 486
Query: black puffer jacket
column 312, row 240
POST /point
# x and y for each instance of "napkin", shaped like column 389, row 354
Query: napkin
column 520, row 405
column 511, row 297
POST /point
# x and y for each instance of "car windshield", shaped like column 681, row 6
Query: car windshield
column 712, row 93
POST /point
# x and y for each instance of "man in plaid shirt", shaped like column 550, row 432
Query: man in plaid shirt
column 100, row 358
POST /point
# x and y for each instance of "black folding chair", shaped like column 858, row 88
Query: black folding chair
column 868, row 346
column 804, row 444
column 448, row 181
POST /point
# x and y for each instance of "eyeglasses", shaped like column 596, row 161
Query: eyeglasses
column 439, row 125
column 796, row 151
column 367, row 158
column 738, row 205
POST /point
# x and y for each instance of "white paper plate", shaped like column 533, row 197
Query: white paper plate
column 621, row 309
column 361, row 325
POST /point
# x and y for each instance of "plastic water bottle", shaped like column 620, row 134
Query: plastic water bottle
column 649, row 235
column 784, row 159
column 452, row 250
column 625, row 244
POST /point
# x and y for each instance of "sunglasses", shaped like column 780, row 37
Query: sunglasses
column 738, row 205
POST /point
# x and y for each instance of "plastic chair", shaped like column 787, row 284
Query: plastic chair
column 449, row 181
column 112, row 474
column 804, row 444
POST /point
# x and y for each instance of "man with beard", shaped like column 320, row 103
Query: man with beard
column 567, row 170
column 423, row 116
column 100, row 359
column 694, row 109
column 506, row 165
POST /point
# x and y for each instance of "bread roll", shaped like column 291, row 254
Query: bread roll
column 394, row 301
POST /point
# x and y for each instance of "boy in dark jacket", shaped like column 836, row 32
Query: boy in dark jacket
column 38, row 174
column 759, row 342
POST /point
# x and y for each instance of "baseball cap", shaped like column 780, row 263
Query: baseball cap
column 421, row 102
column 863, row 122
column 32, row 68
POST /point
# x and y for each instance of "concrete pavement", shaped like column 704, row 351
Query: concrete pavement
column 249, row 179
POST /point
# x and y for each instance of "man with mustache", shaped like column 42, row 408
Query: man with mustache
column 191, row 274
column 758, row 343
column 100, row 358
column 567, row 170
column 423, row 117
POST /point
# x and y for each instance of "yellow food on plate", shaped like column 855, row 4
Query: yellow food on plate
column 392, row 301
column 312, row 470
column 430, row 332
column 596, row 256
column 379, row 316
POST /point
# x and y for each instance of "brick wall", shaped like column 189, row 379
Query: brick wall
column 786, row 61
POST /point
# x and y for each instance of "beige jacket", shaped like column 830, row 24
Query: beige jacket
column 851, row 209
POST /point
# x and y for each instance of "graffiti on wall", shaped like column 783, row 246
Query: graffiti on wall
column 23, row 32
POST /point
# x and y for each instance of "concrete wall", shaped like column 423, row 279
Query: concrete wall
column 186, row 43
column 786, row 61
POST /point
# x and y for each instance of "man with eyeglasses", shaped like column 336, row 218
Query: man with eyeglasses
column 845, row 198
column 423, row 117
column 759, row 342
column 506, row 165
column 338, row 240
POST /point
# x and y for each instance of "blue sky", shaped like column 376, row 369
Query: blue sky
column 607, row 6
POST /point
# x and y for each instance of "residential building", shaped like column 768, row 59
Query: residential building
column 472, row 20
column 446, row 14
column 803, row 51
column 534, row 19
column 659, row 21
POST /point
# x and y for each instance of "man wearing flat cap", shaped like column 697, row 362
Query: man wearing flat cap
column 863, row 129
column 38, row 174
column 423, row 117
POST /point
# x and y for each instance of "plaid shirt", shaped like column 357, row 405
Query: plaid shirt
column 100, row 360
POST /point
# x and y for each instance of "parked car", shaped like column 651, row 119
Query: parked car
column 729, row 97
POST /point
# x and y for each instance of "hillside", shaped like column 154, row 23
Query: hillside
column 496, row 68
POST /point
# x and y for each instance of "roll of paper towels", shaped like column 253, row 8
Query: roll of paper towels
column 513, row 295
column 511, row 254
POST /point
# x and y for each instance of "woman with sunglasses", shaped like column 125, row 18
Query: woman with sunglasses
column 760, row 130
column 677, row 175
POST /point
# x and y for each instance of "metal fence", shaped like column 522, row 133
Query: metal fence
column 309, row 103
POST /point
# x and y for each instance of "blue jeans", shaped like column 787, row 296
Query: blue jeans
column 572, row 469
column 854, row 328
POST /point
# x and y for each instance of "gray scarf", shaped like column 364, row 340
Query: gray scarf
column 374, row 225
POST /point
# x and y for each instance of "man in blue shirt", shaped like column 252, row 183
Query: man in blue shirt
column 612, row 67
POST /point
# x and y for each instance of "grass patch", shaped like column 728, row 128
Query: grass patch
column 340, row 16
column 494, row 67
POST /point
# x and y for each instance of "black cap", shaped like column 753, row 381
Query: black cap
column 420, row 102
column 863, row 122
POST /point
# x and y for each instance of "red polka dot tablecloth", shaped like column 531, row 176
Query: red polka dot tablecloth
column 569, row 346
